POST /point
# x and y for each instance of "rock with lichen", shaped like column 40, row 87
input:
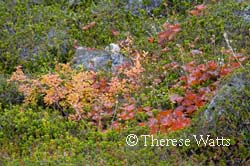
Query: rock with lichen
column 107, row 59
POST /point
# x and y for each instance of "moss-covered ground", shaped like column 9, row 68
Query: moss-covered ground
column 40, row 135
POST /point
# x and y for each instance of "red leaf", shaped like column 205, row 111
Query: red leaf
column 199, row 102
column 147, row 108
column 115, row 125
column 202, row 67
column 212, row 65
column 192, row 81
column 178, row 113
column 175, row 98
column 201, row 7
column 197, row 73
column 224, row 71
column 139, row 109
column 169, row 33
column 164, row 113
column 141, row 124
column 131, row 115
column 187, row 102
column 190, row 96
column 129, row 107
column 190, row 109
column 154, row 129
column 115, row 32
column 180, row 123
column 180, row 108
column 235, row 64
column 152, row 122
column 123, row 116
column 151, row 39
column 166, row 121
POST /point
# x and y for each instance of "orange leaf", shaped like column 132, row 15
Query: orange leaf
column 164, row 113
column 176, row 27
column 169, row 33
column 180, row 123
column 154, row 129
column 212, row 65
column 178, row 113
column 89, row 25
column 190, row 96
column 141, row 124
column 151, row 39
column 235, row 64
column 194, row 12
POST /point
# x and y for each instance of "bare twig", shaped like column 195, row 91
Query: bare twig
column 231, row 49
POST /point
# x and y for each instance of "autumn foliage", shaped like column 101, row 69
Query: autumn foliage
column 198, row 10
column 108, row 102
column 199, row 84
column 92, row 97
column 169, row 33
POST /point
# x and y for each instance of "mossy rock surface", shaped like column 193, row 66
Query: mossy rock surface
column 229, row 110
column 226, row 116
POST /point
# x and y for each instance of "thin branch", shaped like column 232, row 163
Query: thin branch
column 231, row 49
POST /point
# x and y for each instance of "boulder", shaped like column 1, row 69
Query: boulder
column 245, row 12
column 107, row 59
column 229, row 111
column 8, row 92
column 136, row 5
column 226, row 117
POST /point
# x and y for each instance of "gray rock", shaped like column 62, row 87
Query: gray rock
column 244, row 13
column 229, row 110
column 8, row 92
column 136, row 5
column 57, row 39
column 107, row 59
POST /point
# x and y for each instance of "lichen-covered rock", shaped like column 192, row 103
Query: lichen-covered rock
column 136, row 5
column 54, row 38
column 8, row 92
column 245, row 14
column 107, row 59
column 226, row 116
column 229, row 110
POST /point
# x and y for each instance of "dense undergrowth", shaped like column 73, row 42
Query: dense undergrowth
column 180, row 51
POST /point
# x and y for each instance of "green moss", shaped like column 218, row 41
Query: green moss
column 41, row 136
